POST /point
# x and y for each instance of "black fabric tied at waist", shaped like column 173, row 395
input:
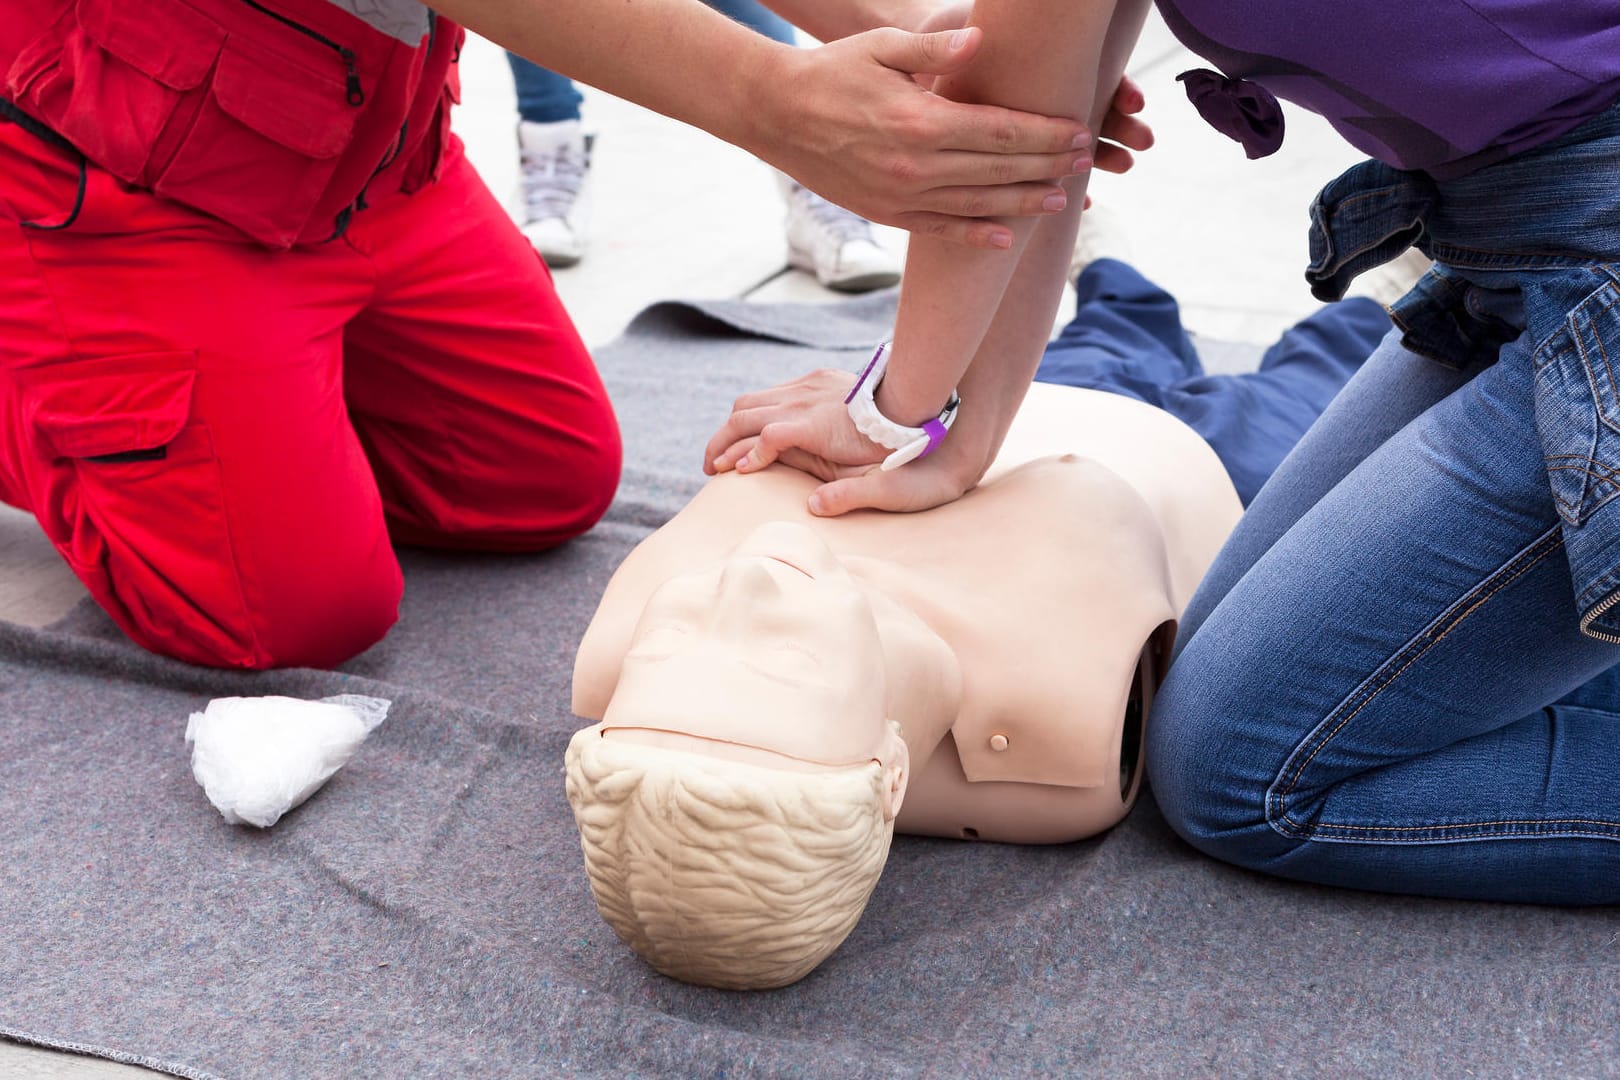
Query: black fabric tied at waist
column 1243, row 111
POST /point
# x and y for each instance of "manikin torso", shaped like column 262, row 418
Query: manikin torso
column 1018, row 630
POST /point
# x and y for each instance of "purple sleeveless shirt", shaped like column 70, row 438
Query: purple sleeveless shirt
column 1446, row 86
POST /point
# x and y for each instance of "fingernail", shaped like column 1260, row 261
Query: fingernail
column 1081, row 141
column 746, row 463
column 1001, row 239
column 958, row 39
column 1082, row 163
column 816, row 505
column 1055, row 201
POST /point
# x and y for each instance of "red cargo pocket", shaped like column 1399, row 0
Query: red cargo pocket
column 111, row 85
column 131, row 494
column 107, row 415
column 121, row 428
column 265, row 143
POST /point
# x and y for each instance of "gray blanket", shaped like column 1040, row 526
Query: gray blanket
column 426, row 914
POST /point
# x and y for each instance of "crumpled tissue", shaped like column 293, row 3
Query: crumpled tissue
column 258, row 757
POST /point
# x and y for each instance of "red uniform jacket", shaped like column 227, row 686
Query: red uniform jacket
column 280, row 117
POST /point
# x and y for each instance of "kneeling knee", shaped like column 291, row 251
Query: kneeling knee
column 1207, row 775
column 317, row 619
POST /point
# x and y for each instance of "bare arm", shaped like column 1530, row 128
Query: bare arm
column 973, row 319
column 846, row 119
column 831, row 21
column 980, row 319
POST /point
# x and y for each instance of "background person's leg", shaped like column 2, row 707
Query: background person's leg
column 832, row 243
column 483, row 415
column 1366, row 704
column 753, row 14
column 543, row 96
column 1254, row 420
column 1126, row 338
column 173, row 417
column 554, row 161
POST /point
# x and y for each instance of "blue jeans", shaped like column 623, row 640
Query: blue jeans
column 1126, row 338
column 1383, row 681
column 545, row 97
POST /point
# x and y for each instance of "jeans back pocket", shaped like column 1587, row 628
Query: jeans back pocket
column 1577, row 404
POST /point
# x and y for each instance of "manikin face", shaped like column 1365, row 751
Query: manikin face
column 774, row 650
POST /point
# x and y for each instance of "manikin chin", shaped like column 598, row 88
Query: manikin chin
column 776, row 694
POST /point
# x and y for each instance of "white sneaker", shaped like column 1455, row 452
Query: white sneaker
column 555, row 162
column 835, row 244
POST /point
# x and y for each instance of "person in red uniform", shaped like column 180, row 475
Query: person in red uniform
column 261, row 318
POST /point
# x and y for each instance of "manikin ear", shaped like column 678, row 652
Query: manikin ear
column 896, row 762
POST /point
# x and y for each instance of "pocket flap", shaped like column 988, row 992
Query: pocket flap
column 167, row 40
column 299, row 109
column 118, row 405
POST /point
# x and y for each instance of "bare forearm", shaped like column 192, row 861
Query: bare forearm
column 979, row 319
column 645, row 51
column 829, row 21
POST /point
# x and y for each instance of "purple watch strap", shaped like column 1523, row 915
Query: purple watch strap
column 936, row 435
column 870, row 364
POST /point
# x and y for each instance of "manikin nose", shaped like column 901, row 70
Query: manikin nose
column 747, row 590
column 749, row 577
column 747, row 587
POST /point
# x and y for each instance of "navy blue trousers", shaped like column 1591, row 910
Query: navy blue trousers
column 1126, row 338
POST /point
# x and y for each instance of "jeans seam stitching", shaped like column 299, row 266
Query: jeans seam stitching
column 1589, row 320
column 1550, row 542
column 1472, row 825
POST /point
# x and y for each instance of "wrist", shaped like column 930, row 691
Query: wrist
column 966, row 456
column 902, row 402
column 759, row 106
column 906, row 442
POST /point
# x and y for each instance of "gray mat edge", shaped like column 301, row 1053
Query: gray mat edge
column 46, row 1042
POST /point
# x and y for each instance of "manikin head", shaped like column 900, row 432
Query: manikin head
column 737, row 801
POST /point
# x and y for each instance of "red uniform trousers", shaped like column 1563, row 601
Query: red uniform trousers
column 222, row 440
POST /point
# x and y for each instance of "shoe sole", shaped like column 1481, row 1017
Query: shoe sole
column 865, row 282
column 878, row 279
column 558, row 262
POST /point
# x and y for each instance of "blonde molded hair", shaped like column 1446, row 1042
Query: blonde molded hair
column 722, row 873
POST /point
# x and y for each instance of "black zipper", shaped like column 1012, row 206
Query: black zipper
column 346, row 215
column 356, row 95
column 388, row 159
column 11, row 114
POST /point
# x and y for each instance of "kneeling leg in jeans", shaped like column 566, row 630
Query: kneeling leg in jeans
column 1381, row 683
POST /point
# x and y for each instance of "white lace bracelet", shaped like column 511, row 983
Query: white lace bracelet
column 908, row 443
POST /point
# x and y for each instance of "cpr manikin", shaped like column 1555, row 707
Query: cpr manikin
column 776, row 693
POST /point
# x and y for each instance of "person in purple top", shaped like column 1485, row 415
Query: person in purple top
column 1401, row 672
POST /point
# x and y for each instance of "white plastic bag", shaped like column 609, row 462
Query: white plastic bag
column 258, row 757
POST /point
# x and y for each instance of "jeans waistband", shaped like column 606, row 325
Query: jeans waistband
column 1557, row 205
